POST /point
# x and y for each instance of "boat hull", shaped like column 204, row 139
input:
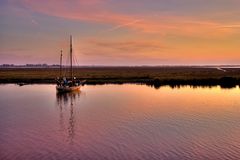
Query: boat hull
column 67, row 88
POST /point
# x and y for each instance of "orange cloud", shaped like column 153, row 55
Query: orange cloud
column 136, row 50
column 128, row 45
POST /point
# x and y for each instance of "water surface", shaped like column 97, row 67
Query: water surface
column 119, row 122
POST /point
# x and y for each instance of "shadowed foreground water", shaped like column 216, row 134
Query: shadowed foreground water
column 119, row 122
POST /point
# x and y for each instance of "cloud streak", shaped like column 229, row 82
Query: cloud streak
column 129, row 46
column 125, row 25
column 230, row 26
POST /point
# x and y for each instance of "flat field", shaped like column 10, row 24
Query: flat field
column 156, row 76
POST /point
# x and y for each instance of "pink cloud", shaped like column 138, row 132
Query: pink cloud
column 97, row 11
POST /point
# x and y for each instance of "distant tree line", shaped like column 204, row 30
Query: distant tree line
column 29, row 66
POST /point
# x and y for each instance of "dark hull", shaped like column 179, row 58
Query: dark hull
column 67, row 88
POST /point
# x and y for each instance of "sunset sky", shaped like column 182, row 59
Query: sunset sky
column 121, row 32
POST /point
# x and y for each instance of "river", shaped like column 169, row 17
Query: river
column 119, row 122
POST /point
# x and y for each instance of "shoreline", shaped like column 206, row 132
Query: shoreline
column 224, row 82
column 151, row 76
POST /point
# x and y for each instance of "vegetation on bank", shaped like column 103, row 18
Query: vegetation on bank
column 155, row 76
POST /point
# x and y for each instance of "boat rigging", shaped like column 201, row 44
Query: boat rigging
column 72, row 83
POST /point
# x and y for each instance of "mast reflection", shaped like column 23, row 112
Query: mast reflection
column 68, row 101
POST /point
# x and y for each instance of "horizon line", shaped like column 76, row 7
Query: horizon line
column 163, row 65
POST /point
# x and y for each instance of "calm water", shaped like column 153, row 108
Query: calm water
column 119, row 122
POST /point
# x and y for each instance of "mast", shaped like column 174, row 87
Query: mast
column 61, row 64
column 71, row 57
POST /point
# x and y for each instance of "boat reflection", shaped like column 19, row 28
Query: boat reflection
column 67, row 102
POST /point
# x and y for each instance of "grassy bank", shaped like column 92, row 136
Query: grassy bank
column 156, row 76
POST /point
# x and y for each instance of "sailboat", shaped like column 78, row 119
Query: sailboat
column 72, row 84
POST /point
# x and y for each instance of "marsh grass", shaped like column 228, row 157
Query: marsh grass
column 156, row 76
